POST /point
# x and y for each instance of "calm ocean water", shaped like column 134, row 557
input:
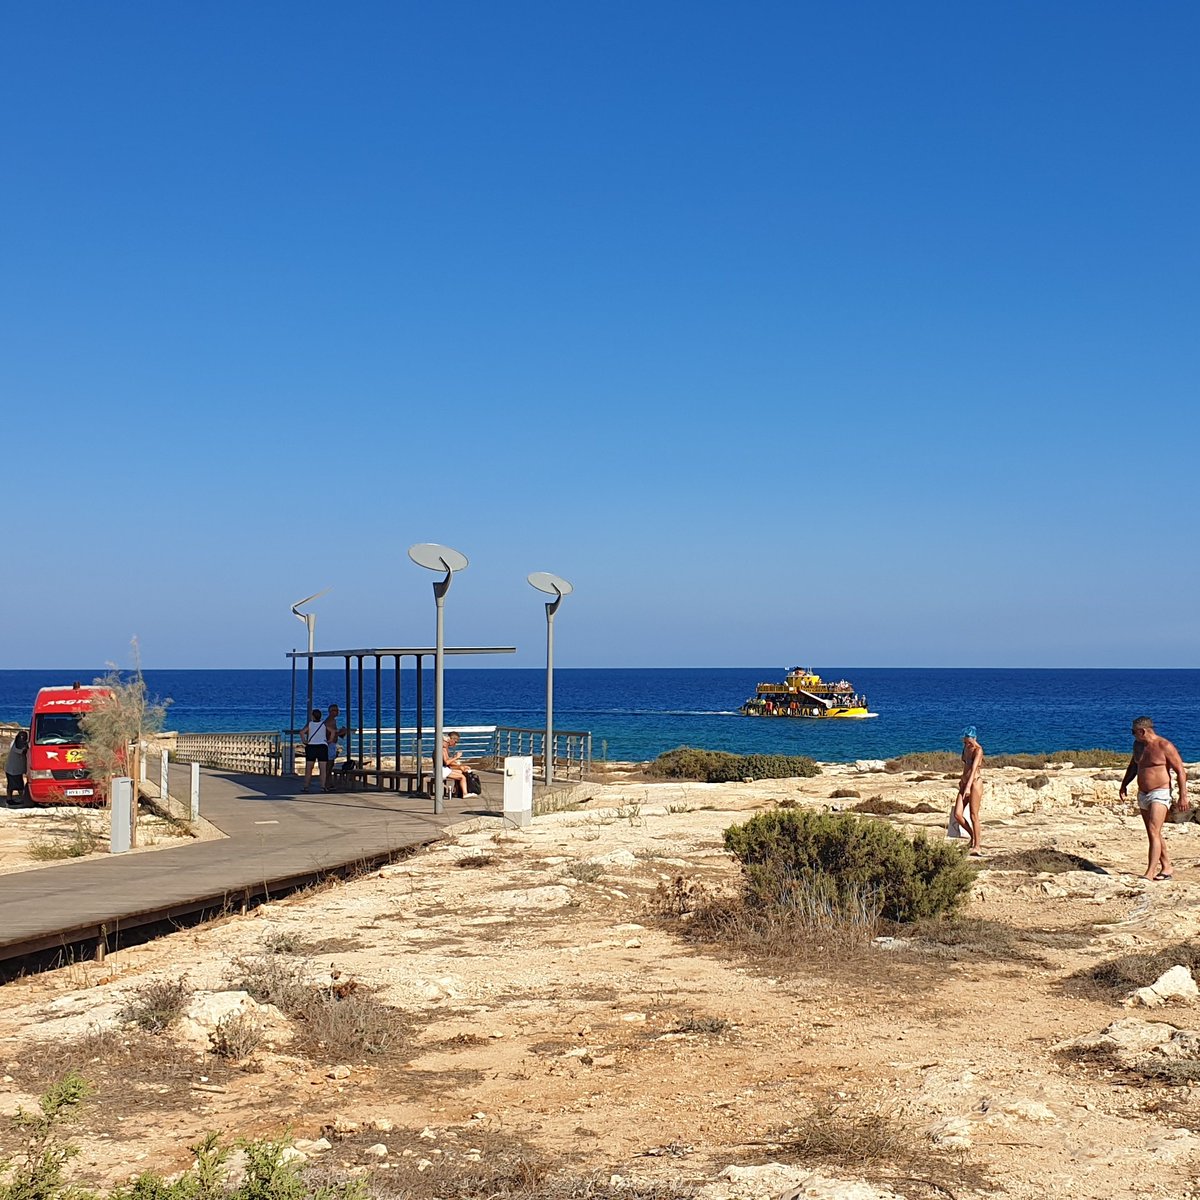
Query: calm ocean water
column 637, row 714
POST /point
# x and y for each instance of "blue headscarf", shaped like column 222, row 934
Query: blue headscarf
column 969, row 732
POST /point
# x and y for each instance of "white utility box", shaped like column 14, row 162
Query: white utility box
column 121, row 805
column 518, row 791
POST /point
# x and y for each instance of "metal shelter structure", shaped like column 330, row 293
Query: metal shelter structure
column 352, row 717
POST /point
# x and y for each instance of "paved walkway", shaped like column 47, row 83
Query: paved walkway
column 276, row 838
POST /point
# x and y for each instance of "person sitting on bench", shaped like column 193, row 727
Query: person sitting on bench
column 453, row 767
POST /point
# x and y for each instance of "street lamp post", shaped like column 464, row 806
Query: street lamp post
column 438, row 558
column 557, row 587
column 310, row 623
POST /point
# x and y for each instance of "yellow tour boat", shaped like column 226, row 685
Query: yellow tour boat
column 805, row 694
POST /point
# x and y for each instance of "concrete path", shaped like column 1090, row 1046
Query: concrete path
column 276, row 838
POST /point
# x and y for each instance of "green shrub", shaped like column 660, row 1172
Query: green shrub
column 763, row 766
column 688, row 762
column 910, row 879
column 718, row 766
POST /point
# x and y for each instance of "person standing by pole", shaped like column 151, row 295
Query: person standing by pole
column 1152, row 761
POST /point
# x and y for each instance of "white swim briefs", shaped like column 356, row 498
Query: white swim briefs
column 1154, row 796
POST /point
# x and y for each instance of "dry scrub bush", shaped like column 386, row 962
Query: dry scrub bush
column 842, row 861
column 336, row 1020
column 1119, row 976
column 877, row 806
column 157, row 1004
column 845, row 793
column 236, row 1037
column 924, row 760
column 948, row 760
column 880, row 1146
column 1042, row 860
column 806, row 922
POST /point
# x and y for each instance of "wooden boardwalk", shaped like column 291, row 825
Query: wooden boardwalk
column 277, row 838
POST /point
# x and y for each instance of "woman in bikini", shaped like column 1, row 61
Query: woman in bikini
column 970, row 788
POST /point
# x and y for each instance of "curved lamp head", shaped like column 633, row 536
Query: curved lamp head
column 554, row 585
column 309, row 619
column 437, row 558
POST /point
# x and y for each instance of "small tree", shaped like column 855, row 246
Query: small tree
column 120, row 717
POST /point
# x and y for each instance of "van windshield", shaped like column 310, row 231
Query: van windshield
column 57, row 729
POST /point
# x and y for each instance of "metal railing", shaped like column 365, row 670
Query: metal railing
column 276, row 753
column 253, row 753
column 572, row 749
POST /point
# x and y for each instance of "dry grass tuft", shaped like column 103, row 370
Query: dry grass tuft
column 476, row 860
column 809, row 922
column 1119, row 976
column 879, row 807
column 79, row 839
column 700, row 1024
column 1042, row 860
column 971, row 938
column 845, row 793
column 157, row 1004
column 857, row 1140
column 340, row 1020
column 236, row 1037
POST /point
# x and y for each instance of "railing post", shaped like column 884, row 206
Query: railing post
column 164, row 776
column 195, row 809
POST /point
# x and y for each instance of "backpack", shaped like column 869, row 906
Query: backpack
column 474, row 784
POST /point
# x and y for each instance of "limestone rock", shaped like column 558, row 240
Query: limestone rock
column 1128, row 1038
column 788, row 1183
column 1175, row 984
column 208, row 1009
column 551, row 896
column 952, row 1134
column 616, row 858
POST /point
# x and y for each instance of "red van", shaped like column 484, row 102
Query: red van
column 57, row 769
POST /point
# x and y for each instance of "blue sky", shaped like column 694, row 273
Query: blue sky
column 859, row 334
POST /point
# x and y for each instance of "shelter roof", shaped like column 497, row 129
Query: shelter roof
column 398, row 651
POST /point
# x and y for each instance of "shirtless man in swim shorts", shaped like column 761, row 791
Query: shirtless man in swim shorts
column 1153, row 760
column 970, row 788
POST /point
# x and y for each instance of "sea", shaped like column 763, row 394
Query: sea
column 635, row 714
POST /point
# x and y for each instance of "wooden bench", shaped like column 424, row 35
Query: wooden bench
column 386, row 779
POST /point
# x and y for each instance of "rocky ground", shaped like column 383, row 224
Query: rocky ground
column 513, row 1005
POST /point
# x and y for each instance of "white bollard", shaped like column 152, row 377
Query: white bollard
column 518, row 791
column 143, row 762
column 164, row 776
column 195, row 791
column 122, row 811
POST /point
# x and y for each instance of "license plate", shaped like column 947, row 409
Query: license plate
column 78, row 792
